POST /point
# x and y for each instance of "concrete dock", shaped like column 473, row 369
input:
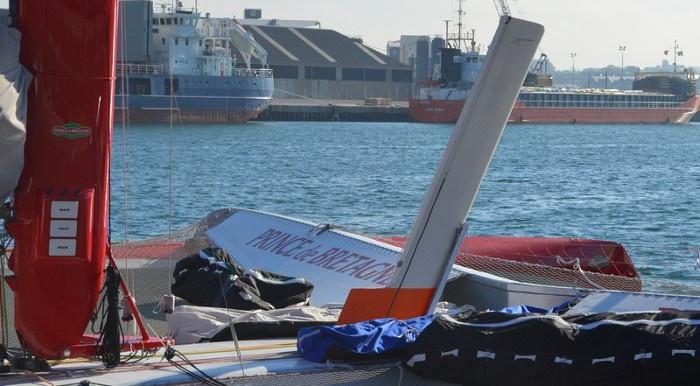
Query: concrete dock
column 371, row 110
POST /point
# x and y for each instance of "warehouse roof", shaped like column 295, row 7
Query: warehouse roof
column 318, row 47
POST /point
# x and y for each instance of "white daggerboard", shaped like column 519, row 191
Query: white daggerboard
column 334, row 261
column 429, row 250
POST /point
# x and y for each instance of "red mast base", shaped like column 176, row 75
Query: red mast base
column 88, row 345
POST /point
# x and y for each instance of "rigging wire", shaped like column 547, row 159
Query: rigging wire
column 297, row 95
column 170, row 181
column 39, row 377
column 5, row 242
column 111, row 332
column 124, row 125
column 234, row 336
column 171, row 353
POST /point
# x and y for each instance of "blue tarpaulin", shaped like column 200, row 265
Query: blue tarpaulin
column 376, row 337
column 526, row 309
column 523, row 309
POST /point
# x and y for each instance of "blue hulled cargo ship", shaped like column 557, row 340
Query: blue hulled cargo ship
column 175, row 64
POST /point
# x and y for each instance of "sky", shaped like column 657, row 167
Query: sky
column 593, row 29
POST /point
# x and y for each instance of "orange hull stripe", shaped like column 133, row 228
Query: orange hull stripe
column 373, row 303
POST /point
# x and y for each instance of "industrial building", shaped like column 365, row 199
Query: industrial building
column 419, row 52
column 414, row 51
column 324, row 64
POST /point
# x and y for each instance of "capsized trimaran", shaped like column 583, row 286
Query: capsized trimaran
column 60, row 223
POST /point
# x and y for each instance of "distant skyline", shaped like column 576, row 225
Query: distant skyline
column 594, row 29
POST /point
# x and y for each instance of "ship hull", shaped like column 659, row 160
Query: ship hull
column 447, row 111
column 192, row 110
column 434, row 110
column 196, row 99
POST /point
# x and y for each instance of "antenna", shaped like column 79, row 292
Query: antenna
column 447, row 32
column 460, row 12
column 675, row 55
column 458, row 38
column 473, row 39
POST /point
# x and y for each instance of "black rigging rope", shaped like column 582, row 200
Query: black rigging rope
column 109, row 342
column 198, row 374
column 110, row 330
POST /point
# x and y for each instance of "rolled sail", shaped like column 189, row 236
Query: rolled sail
column 14, row 81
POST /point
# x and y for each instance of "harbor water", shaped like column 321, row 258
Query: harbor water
column 634, row 184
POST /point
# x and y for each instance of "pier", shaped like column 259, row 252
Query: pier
column 369, row 110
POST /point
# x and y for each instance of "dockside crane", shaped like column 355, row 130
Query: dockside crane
column 538, row 76
column 540, row 66
column 502, row 7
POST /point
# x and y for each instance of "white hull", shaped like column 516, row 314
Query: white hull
column 485, row 291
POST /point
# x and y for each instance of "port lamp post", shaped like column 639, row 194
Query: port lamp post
column 622, row 64
column 573, row 69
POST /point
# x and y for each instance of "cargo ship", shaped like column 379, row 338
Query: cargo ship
column 647, row 104
column 651, row 101
column 175, row 63
column 668, row 97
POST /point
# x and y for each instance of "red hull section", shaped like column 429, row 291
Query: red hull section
column 61, row 203
column 679, row 115
column 597, row 256
column 435, row 111
column 447, row 111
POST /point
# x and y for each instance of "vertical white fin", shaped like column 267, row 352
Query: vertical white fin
column 426, row 256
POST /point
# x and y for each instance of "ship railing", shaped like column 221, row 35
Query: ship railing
column 603, row 104
column 134, row 68
column 253, row 72
column 690, row 74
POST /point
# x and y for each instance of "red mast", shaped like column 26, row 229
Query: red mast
column 62, row 200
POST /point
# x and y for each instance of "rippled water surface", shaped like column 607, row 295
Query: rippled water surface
column 638, row 185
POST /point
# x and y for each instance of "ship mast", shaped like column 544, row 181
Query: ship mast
column 447, row 32
column 458, row 38
column 675, row 55
column 460, row 12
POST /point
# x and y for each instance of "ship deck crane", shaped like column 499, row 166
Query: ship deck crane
column 247, row 45
column 538, row 76
column 541, row 64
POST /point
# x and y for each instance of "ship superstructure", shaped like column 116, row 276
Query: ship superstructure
column 453, row 76
column 197, row 68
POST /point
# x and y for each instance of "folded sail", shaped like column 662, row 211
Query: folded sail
column 14, row 81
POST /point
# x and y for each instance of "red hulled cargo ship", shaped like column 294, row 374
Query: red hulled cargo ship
column 550, row 105
column 668, row 97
